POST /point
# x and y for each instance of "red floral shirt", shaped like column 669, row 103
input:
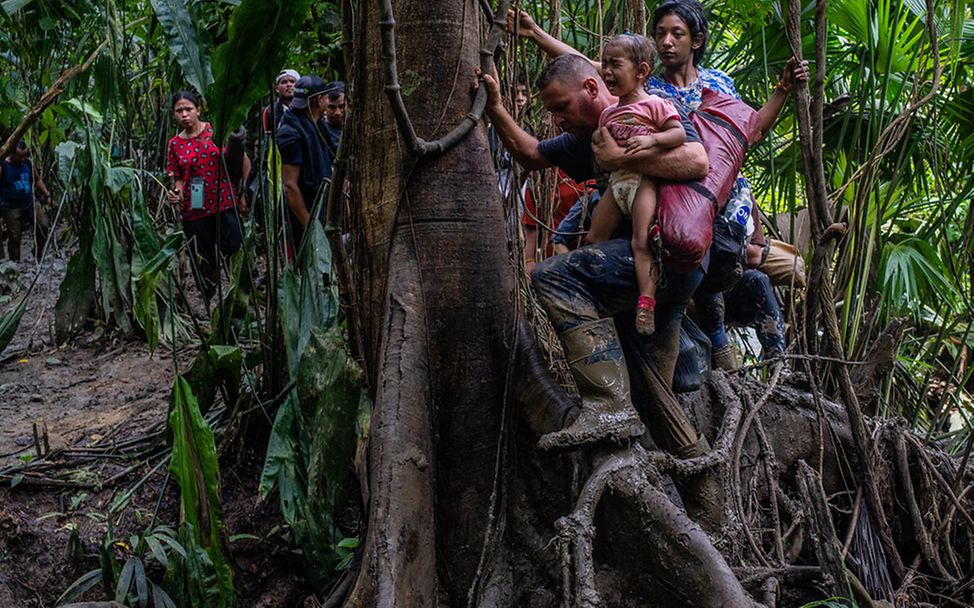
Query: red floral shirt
column 198, row 156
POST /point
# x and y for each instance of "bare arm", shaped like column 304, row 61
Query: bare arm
column 770, row 111
column 551, row 46
column 687, row 162
column 672, row 135
column 242, row 195
column 175, row 195
column 522, row 145
column 42, row 187
column 292, row 193
column 247, row 166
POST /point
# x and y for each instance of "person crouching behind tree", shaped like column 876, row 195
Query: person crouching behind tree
column 202, row 189
column 18, row 184
column 305, row 156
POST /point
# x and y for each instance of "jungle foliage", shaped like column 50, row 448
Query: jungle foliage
column 900, row 169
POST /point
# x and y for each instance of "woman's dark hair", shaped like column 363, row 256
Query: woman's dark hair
column 693, row 14
column 188, row 96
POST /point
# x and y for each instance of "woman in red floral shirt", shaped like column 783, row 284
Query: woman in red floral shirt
column 202, row 189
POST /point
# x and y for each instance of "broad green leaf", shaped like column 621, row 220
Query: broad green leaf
column 194, row 578
column 184, row 42
column 126, row 579
column 329, row 386
column 79, row 587
column 305, row 302
column 213, row 367
column 161, row 599
column 10, row 321
column 113, row 269
column 144, row 233
column 118, row 178
column 141, row 585
column 145, row 285
column 12, row 6
column 195, row 467
column 282, row 460
column 77, row 292
column 261, row 32
column 85, row 108
column 67, row 156
column 158, row 552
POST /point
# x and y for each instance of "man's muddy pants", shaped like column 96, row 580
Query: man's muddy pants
column 599, row 281
column 18, row 219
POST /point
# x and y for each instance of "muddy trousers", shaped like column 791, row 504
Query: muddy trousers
column 18, row 219
column 751, row 302
column 599, row 281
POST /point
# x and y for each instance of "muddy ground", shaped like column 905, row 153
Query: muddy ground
column 99, row 405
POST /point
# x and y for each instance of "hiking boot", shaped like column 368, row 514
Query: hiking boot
column 725, row 358
column 599, row 368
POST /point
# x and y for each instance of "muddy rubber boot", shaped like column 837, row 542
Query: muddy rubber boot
column 725, row 358
column 702, row 494
column 599, row 368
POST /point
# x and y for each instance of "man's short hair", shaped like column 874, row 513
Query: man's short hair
column 568, row 68
column 21, row 144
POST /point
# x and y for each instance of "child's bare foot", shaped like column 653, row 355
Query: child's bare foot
column 645, row 320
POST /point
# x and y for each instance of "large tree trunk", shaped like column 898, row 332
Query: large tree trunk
column 433, row 313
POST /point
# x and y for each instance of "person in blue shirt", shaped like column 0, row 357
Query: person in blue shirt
column 18, row 184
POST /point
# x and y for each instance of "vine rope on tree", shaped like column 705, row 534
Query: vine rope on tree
column 416, row 145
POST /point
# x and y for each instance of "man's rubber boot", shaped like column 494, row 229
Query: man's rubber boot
column 725, row 358
column 599, row 368
column 703, row 493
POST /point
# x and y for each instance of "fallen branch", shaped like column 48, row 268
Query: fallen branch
column 47, row 99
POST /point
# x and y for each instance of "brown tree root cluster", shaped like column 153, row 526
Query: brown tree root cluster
column 797, row 521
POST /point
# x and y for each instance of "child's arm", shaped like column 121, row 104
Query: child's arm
column 672, row 135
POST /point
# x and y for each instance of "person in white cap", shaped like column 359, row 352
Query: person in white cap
column 284, row 87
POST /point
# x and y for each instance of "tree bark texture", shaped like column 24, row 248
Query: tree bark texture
column 434, row 313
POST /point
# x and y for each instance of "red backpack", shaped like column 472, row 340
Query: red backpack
column 685, row 210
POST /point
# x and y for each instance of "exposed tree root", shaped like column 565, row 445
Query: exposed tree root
column 684, row 559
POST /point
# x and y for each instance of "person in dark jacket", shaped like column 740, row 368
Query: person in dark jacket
column 305, row 156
